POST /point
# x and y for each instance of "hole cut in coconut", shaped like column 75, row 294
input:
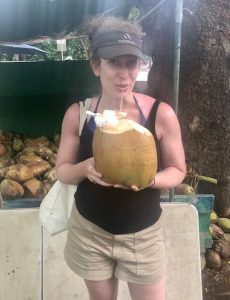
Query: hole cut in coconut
column 110, row 117
column 124, row 126
column 114, row 122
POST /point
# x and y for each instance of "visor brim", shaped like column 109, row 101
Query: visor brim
column 111, row 51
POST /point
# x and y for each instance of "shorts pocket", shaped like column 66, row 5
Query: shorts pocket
column 150, row 252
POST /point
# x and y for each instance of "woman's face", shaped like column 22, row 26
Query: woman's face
column 117, row 75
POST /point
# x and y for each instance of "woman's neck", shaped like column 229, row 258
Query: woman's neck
column 115, row 103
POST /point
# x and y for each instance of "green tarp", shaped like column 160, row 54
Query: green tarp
column 35, row 95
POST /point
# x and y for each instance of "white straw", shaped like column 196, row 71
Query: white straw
column 121, row 104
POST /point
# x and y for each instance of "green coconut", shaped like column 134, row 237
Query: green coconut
column 224, row 224
column 125, row 153
column 18, row 144
column 184, row 189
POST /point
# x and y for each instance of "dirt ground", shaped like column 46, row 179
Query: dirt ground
column 216, row 283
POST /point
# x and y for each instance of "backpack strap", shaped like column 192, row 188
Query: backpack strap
column 84, row 106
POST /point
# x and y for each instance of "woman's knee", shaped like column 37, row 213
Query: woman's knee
column 154, row 291
column 102, row 290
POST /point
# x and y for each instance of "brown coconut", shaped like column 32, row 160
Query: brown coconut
column 11, row 189
column 18, row 172
column 41, row 141
column 125, row 154
column 25, row 159
column 52, row 159
column 34, row 188
column 44, row 151
column 38, row 168
column 50, row 175
column 223, row 248
column 213, row 260
column 216, row 232
column 2, row 150
column 47, row 186
column 5, row 162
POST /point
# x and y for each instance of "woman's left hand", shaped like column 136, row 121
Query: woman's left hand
column 125, row 187
column 134, row 187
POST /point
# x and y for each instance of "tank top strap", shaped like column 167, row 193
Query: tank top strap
column 150, row 124
column 143, row 119
column 98, row 101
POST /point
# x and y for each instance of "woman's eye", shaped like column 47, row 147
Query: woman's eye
column 114, row 62
column 132, row 63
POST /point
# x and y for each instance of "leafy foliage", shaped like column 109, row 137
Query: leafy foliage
column 75, row 49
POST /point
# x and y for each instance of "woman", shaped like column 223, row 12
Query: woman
column 115, row 231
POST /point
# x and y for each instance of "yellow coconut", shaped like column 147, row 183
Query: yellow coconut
column 125, row 153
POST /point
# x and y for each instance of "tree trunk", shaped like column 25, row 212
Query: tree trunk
column 204, row 96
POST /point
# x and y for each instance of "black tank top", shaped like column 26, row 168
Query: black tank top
column 117, row 211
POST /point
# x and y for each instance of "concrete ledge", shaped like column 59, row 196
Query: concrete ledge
column 33, row 267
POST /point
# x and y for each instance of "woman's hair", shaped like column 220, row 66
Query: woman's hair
column 102, row 24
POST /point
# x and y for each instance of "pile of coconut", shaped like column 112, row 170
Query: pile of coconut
column 219, row 254
column 26, row 165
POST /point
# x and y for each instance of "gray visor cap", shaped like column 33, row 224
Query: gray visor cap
column 116, row 43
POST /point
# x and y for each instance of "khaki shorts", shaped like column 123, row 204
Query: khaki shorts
column 95, row 254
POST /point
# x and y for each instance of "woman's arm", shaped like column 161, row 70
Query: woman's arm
column 67, row 169
column 173, row 167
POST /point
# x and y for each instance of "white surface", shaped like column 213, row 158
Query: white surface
column 21, row 250
column 20, row 254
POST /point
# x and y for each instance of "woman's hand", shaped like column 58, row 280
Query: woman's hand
column 134, row 187
column 92, row 174
column 125, row 187
column 96, row 177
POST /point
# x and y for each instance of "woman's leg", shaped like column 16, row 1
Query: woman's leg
column 156, row 291
column 102, row 290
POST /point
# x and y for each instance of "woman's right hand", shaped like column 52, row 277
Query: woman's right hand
column 92, row 174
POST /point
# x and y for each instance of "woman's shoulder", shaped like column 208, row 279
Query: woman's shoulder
column 149, row 101
column 75, row 107
column 72, row 113
column 143, row 97
column 145, row 102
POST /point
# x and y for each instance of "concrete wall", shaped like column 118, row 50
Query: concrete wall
column 33, row 268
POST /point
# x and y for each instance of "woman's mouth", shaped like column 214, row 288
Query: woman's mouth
column 122, row 87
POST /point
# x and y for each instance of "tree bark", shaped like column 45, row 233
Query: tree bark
column 204, row 96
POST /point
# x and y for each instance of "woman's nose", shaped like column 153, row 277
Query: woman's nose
column 123, row 72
